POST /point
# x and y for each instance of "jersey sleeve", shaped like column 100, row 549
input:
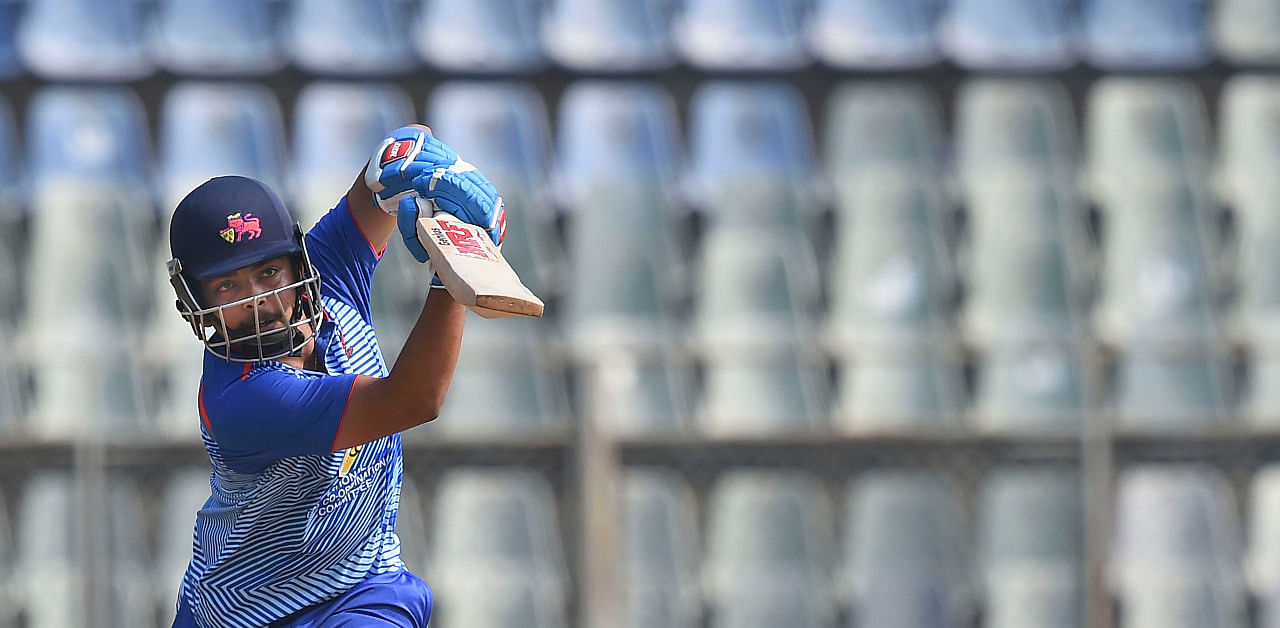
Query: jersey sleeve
column 344, row 258
column 273, row 414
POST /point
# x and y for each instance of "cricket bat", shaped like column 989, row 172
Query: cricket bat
column 471, row 267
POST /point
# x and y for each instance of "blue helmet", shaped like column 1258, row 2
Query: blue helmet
column 225, row 224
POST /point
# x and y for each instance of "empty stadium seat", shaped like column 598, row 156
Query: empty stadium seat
column 411, row 527
column 741, row 34
column 532, row 400
column 185, row 492
column 126, row 557
column 336, row 126
column 497, row 520
column 1048, row 598
column 214, row 129
column 352, row 38
column 766, row 601
column 1260, row 401
column 1008, row 126
column 904, row 540
column 10, row 64
column 1030, row 517
column 1138, row 127
column 1174, row 521
column 1183, row 601
column 874, row 34
column 480, row 36
column 1249, row 139
column 892, row 279
column 497, row 600
column 171, row 362
column 1244, row 31
column 774, row 524
column 1009, row 34
column 216, row 38
column 1032, row 387
column 110, row 127
column 761, row 393
column 660, row 550
column 101, row 40
column 1028, row 255
column 1179, row 389
column 1119, row 35
column 882, row 126
column 907, row 388
column 1262, row 519
column 502, row 128
column 639, row 393
column 1256, row 315
column 1161, row 279
column 751, row 153
column 608, row 35
column 47, row 536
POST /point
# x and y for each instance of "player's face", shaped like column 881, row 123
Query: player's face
column 273, row 310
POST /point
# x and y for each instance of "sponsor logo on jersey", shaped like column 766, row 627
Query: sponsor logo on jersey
column 463, row 240
column 241, row 227
column 396, row 150
column 349, row 460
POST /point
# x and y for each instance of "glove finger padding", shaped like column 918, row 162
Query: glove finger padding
column 407, row 223
column 401, row 158
column 466, row 193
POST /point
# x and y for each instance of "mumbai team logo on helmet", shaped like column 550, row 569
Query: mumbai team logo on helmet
column 240, row 228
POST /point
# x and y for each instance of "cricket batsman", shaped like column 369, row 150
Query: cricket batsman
column 299, row 413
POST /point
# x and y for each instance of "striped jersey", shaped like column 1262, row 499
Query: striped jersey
column 289, row 522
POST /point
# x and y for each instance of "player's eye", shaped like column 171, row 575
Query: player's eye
column 270, row 271
column 225, row 287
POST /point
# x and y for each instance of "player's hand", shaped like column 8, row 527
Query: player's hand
column 403, row 156
column 461, row 190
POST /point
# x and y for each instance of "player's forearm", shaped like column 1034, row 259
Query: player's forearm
column 425, row 366
column 374, row 223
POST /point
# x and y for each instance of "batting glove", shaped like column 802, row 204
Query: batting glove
column 459, row 189
column 405, row 155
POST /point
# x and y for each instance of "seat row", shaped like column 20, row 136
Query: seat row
column 114, row 40
column 773, row 549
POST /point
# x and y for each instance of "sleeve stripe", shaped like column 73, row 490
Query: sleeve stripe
column 376, row 253
column 334, row 447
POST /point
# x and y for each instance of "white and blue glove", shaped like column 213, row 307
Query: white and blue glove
column 410, row 163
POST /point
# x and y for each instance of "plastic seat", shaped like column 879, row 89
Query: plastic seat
column 1006, row 127
column 13, row 248
column 898, row 389
column 411, row 527
column 774, row 524
column 237, row 128
column 1262, row 517
column 110, row 127
column 1161, row 275
column 874, row 34
column 1183, row 390
column 1256, row 314
column 904, row 540
column 1031, row 387
column 503, row 129
column 1249, row 137
column 761, row 393
column 1138, row 128
column 1009, row 34
column 335, row 127
column 532, row 402
column 1260, row 402
column 1027, row 251
column 1172, row 520
column 763, row 601
column 892, row 278
column 216, row 38
column 1035, row 596
column 61, row 40
column 1144, row 34
column 498, row 520
column 10, row 63
column 741, row 34
column 884, row 126
column 609, row 35
column 659, row 557
column 49, row 553
column 11, row 397
column 1030, row 517
column 751, row 152
column 184, row 493
column 482, row 36
column 617, row 131
column 352, row 38
column 130, row 602
column 1244, row 31
column 498, row 600
column 1183, row 601
column 639, row 393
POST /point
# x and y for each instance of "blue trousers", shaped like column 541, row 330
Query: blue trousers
column 389, row 600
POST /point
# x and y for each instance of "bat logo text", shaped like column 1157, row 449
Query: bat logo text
column 463, row 241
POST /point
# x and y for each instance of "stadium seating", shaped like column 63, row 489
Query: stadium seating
column 1035, row 387
column 741, row 34
column 68, row 40
column 484, row 36
column 639, row 394
column 127, row 557
column 882, row 126
column 216, row 38
column 10, row 64
column 912, row 389
column 411, row 527
column 1172, row 34
column 608, row 35
column 1009, row 34
column 1013, row 127
column 184, row 494
column 1243, row 31
column 48, row 554
column 874, row 34
column 660, row 555
column 356, row 38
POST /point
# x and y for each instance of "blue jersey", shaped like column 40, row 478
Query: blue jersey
column 290, row 522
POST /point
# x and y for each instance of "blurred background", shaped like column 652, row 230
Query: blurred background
column 869, row 313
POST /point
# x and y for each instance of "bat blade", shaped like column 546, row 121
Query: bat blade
column 472, row 269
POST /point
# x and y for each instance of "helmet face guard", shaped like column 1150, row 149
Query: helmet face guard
column 255, row 344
